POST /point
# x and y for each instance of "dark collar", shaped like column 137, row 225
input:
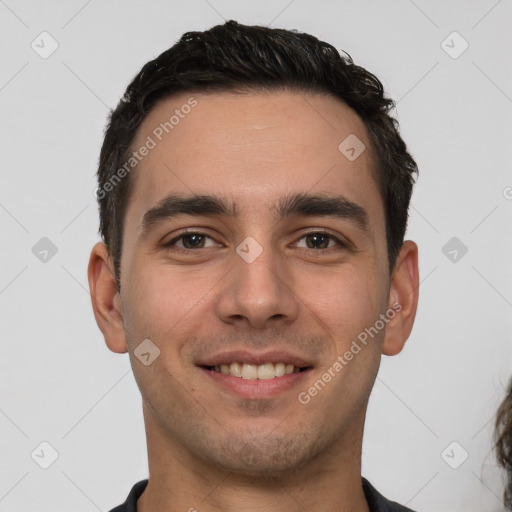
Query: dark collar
column 376, row 501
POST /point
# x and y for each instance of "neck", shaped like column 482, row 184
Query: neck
column 179, row 481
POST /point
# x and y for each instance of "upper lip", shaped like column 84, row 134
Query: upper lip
column 256, row 358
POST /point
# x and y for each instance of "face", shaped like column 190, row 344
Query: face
column 278, row 270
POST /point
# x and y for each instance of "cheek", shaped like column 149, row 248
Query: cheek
column 347, row 301
column 162, row 305
column 163, row 299
column 350, row 302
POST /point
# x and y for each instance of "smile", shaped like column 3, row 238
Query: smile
column 253, row 371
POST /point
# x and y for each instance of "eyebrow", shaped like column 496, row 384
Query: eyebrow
column 301, row 204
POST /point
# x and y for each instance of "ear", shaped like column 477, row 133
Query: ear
column 106, row 302
column 403, row 299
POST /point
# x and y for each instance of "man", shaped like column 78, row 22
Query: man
column 253, row 197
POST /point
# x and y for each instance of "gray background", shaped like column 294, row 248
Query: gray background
column 59, row 383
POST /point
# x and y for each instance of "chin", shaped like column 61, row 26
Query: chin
column 267, row 456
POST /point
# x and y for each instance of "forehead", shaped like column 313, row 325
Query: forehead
column 255, row 147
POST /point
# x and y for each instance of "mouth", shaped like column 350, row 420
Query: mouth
column 250, row 371
column 256, row 375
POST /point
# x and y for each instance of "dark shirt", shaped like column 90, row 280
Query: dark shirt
column 376, row 502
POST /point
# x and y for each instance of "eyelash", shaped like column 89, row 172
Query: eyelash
column 169, row 245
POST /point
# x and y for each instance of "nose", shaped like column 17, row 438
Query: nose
column 258, row 293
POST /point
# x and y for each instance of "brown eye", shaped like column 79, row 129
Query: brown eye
column 321, row 240
column 189, row 241
column 193, row 241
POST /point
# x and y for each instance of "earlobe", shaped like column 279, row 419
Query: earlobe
column 403, row 299
column 105, row 299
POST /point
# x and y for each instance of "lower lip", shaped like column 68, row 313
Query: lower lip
column 257, row 388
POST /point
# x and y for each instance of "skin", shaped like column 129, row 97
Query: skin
column 210, row 449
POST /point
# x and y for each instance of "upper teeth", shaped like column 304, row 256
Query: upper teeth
column 254, row 371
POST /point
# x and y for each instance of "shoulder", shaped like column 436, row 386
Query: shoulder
column 378, row 503
column 130, row 505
